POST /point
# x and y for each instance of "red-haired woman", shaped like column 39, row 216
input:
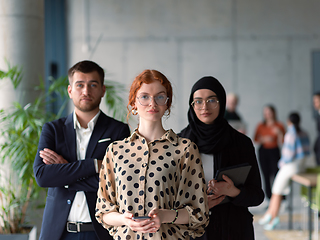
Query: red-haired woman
column 152, row 183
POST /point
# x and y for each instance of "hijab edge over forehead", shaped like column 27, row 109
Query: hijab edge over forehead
column 211, row 83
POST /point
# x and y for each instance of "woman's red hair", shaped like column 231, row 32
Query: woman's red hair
column 148, row 76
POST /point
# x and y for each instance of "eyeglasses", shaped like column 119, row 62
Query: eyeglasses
column 145, row 99
column 211, row 103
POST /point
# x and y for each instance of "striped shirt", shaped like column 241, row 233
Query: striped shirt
column 296, row 146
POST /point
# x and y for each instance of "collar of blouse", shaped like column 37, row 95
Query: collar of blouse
column 169, row 135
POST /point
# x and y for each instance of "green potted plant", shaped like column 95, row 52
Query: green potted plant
column 20, row 129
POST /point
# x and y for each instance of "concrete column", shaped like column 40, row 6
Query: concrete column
column 21, row 43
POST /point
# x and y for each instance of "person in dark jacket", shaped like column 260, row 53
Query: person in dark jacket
column 316, row 104
column 222, row 146
column 69, row 158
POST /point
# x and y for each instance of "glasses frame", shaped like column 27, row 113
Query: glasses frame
column 205, row 102
column 152, row 97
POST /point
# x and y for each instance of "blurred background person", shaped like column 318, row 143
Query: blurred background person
column 269, row 134
column 231, row 114
column 316, row 104
column 231, row 107
column 296, row 148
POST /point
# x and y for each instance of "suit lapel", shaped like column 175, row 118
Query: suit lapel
column 98, row 131
column 70, row 136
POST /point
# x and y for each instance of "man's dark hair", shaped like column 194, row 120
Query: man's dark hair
column 317, row 94
column 294, row 117
column 86, row 67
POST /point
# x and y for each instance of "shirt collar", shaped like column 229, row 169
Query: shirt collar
column 169, row 135
column 91, row 124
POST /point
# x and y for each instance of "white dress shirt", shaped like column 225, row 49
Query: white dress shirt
column 79, row 211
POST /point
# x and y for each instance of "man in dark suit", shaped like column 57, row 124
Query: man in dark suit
column 316, row 104
column 69, row 158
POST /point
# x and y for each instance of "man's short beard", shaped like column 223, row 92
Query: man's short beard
column 88, row 108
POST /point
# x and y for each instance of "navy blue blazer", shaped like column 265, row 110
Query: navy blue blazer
column 64, row 180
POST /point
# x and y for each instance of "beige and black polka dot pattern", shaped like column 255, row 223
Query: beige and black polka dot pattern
column 137, row 176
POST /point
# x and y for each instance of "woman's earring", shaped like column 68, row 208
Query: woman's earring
column 134, row 111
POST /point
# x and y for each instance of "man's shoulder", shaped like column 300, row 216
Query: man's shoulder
column 232, row 115
column 60, row 122
column 103, row 119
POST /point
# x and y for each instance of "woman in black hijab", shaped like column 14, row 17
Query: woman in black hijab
column 222, row 146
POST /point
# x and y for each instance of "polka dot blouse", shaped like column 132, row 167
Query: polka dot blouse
column 167, row 173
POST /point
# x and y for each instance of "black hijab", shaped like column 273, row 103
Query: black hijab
column 228, row 147
column 210, row 138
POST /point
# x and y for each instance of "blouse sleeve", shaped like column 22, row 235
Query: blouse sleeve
column 106, row 200
column 192, row 192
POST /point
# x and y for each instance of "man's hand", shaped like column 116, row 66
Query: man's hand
column 51, row 157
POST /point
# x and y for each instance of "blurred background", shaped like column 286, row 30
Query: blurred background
column 267, row 52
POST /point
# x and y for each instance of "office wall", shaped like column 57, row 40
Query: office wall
column 259, row 49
